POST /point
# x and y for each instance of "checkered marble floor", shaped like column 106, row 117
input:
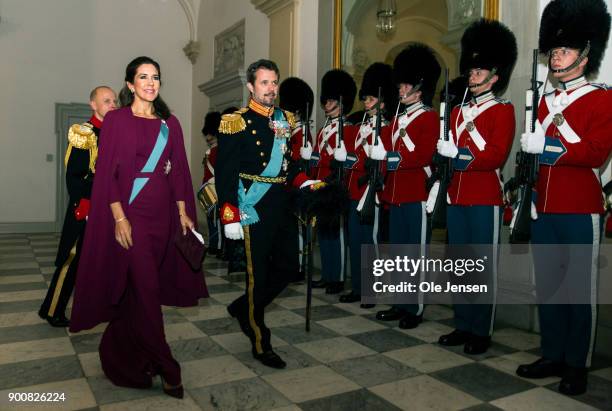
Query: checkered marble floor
column 348, row 361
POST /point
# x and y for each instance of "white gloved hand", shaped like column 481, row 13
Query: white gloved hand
column 306, row 152
column 378, row 151
column 534, row 212
column 534, row 142
column 309, row 183
column 340, row 153
column 234, row 231
column 431, row 198
column 447, row 148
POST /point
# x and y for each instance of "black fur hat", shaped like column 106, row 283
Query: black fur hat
column 574, row 23
column 336, row 83
column 211, row 123
column 489, row 44
column 380, row 75
column 294, row 94
column 417, row 64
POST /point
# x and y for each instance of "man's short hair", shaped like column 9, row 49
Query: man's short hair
column 261, row 63
column 94, row 92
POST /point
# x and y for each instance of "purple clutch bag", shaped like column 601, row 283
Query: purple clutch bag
column 190, row 248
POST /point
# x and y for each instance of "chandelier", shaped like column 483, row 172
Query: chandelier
column 385, row 24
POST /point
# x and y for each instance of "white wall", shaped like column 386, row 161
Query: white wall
column 57, row 51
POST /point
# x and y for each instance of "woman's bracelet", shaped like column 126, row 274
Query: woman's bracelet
column 121, row 219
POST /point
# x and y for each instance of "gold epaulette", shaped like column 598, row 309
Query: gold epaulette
column 82, row 136
column 290, row 118
column 242, row 110
column 232, row 123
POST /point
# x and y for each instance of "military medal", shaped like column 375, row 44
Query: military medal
column 558, row 119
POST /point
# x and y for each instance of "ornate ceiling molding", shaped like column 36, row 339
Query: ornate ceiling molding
column 269, row 7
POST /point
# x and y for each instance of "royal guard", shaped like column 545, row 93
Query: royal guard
column 80, row 162
column 365, row 152
column 481, row 134
column 336, row 86
column 573, row 139
column 210, row 130
column 411, row 146
column 296, row 96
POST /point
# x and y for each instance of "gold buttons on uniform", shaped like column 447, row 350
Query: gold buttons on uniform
column 254, row 131
column 261, row 154
column 258, row 142
column 249, row 121
column 264, row 164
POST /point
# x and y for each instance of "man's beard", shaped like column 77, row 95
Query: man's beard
column 263, row 100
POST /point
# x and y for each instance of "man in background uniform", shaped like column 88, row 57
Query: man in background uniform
column 573, row 138
column 80, row 163
column 411, row 146
column 210, row 132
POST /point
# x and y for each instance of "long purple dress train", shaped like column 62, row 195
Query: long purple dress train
column 128, row 287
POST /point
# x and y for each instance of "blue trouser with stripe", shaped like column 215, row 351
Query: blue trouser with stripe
column 567, row 330
column 358, row 236
column 408, row 225
column 333, row 255
column 476, row 224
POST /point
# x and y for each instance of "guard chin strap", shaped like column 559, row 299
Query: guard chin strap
column 486, row 80
column 414, row 90
column 575, row 64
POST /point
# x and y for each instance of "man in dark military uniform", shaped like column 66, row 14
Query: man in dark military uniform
column 80, row 162
column 254, row 176
column 572, row 139
column 210, row 132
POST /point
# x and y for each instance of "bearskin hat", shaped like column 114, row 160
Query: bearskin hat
column 380, row 75
column 488, row 44
column 211, row 123
column 336, row 83
column 573, row 24
column 417, row 64
column 294, row 95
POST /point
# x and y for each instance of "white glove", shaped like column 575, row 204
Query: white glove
column 233, row 231
column 378, row 151
column 340, row 153
column 431, row 198
column 447, row 148
column 309, row 183
column 534, row 212
column 306, row 152
column 534, row 142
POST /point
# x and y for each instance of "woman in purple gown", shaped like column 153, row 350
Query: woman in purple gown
column 142, row 198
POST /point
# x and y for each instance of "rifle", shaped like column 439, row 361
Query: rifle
column 367, row 211
column 306, row 137
column 444, row 165
column 340, row 138
column 307, row 255
column 527, row 164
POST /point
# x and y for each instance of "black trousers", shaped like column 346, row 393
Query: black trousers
column 62, row 283
column 271, row 247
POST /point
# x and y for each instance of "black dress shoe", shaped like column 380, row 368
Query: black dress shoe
column 319, row 283
column 58, row 321
column 477, row 344
column 334, row 288
column 574, row 381
column 392, row 314
column 176, row 392
column 366, row 306
column 270, row 359
column 542, row 368
column 457, row 337
column 410, row 321
column 350, row 298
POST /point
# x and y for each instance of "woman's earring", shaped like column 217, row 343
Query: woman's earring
column 132, row 90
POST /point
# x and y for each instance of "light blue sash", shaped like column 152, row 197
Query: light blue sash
column 247, row 201
column 149, row 167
